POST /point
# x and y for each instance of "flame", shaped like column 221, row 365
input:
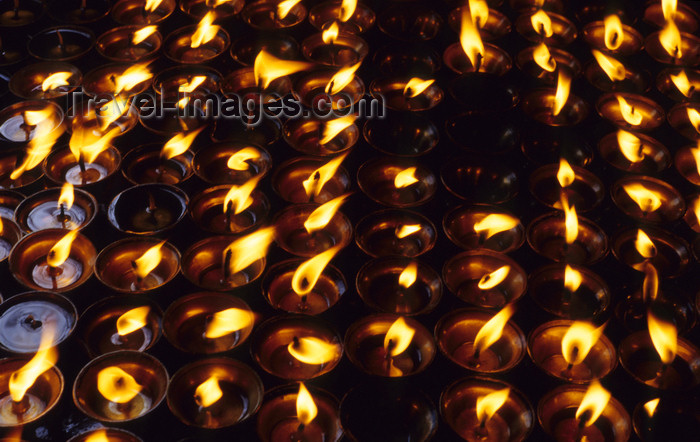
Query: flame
column 45, row 357
column 572, row 279
column 594, row 402
column 408, row 275
column 491, row 332
column 284, row 7
column 409, row 229
column 188, row 87
column 228, row 321
column 98, row 436
column 561, row 96
column 650, row 286
column 479, row 11
column 491, row 280
column 148, row 261
column 239, row 196
column 416, row 86
column 628, row 112
column 313, row 351
column 570, row 222
column 541, row 23
column 116, row 385
column 668, row 8
column 694, row 118
column 347, row 9
column 179, row 144
column 651, row 405
column 398, row 337
column 34, row 117
column 308, row 272
column 613, row 69
column 319, row 177
column 40, row 145
column 681, row 81
column 132, row 76
column 405, row 178
column 488, row 405
column 696, row 210
column 578, row 341
column 322, row 215
column 565, row 174
column 664, row 336
column 631, row 146
column 88, row 146
column 208, row 392
column 238, row 161
column 544, row 58
column 1, row 226
column 306, row 408
column 55, row 80
column 250, row 248
column 110, row 112
column 132, row 320
column 330, row 35
column 267, row 68
column 644, row 245
column 331, row 128
column 613, row 32
column 143, row 33
column 341, row 79
column 647, row 200
column 670, row 39
column 206, row 30
column 495, row 223
column 66, row 197
column 470, row 40
column 61, row 250
column 152, row 5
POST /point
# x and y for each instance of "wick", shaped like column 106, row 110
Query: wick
column 139, row 279
column 295, row 341
column 60, row 37
column 615, row 37
column 481, row 431
column 28, row 129
column 229, row 214
column 20, row 407
column 581, row 425
column 477, row 352
column 33, row 323
column 151, row 209
column 62, row 217
column 81, row 164
column 16, row 10
column 482, row 238
column 479, row 60
column 226, row 270
column 303, row 299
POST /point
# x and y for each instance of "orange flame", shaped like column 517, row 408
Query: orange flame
column 239, row 160
column 58, row 254
column 405, row 178
column 132, row 76
column 117, row 385
column 694, row 118
column 681, row 81
column 55, row 80
column 1, row 226
column 561, row 96
column 650, row 286
column 239, row 196
column 147, row 262
column 695, row 208
column 565, row 174
column 308, row 272
column 250, row 248
column 572, row 279
column 143, row 33
column 228, row 321
column 66, row 197
column 613, row 32
column 179, row 144
column 650, row 406
column 594, row 402
column 415, row 86
column 319, row 177
column 669, row 8
column 578, row 340
column 152, row 5
column 491, row 280
column 108, row 113
column 541, row 23
column 488, row 405
column 495, row 223
column 664, row 336
column 408, row 275
column 647, row 200
column 631, row 146
column 132, row 320
column 342, row 78
column 347, row 9
column 470, row 40
column 570, row 222
column 208, row 392
column 46, row 356
column 306, row 408
column 644, row 245
column 206, row 30
column 267, row 68
column 42, row 142
column 628, row 112
column 188, row 87
column 491, row 332
column 330, row 35
column 313, row 351
column 398, row 337
column 405, row 230
column 613, row 69
column 98, row 436
column 331, row 128
column 319, row 218
column 670, row 39
column 284, row 7
column 479, row 11
column 544, row 58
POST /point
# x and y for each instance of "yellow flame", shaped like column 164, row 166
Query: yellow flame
column 495, row 223
column 239, row 196
column 347, row 9
column 314, row 351
column 541, row 23
column 308, row 272
column 594, row 402
column 227, row 321
column 405, row 230
column 650, row 286
column 565, row 174
column 572, row 279
column 408, row 275
column 694, row 118
column 61, row 250
column 631, row 146
column 333, row 127
column 330, row 35
column 628, row 112
column 696, row 209
column 491, row 280
column 1, row 226
column 670, row 39
column 416, row 86
column 405, row 178
column 87, row 145
column 668, row 8
column 55, row 80
column 488, row 405
column 651, row 405
column 206, row 30
column 613, row 32
column 152, row 5
column 644, row 245
column 267, row 68
column 132, row 320
column 319, row 218
column 398, row 337
column 117, row 385
column 179, row 144
column 143, row 33
column 66, row 197
column 148, row 261
column 208, row 392
column 239, row 160
column 341, row 79
column 40, row 145
column 647, row 200
column 470, row 40
column 132, row 76
column 284, row 7
column 681, row 81
column 479, row 11
column 570, row 222
column 613, row 69
column 578, row 341
column 250, row 248
column 319, row 177
column 46, row 356
column 561, row 96
column 306, row 408
column 664, row 336
column 188, row 87
column 544, row 58
column 491, row 332
column 98, row 436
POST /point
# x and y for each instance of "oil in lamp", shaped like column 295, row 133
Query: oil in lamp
column 683, row 15
column 671, row 46
column 353, row 16
column 10, row 233
column 56, row 208
column 321, row 137
column 396, row 182
column 171, row 164
column 305, row 179
column 478, row 408
column 556, row 107
column 231, row 163
column 217, row 263
column 61, row 43
column 685, row 119
column 208, row 322
column 333, row 89
column 120, row 323
column 215, row 393
column 541, row 62
column 45, row 80
column 612, row 36
column 309, row 287
column 334, row 48
column 230, row 209
column 472, row 227
column 672, row 418
column 637, row 153
column 30, row 388
column 147, row 209
column 399, row 285
column 137, row 264
column 296, row 347
column 142, row 12
column 636, row 248
column 291, row 413
column 389, row 345
column 679, row 84
column 547, row 27
column 395, row 232
column 21, row 13
column 552, row 184
column 480, row 341
column 608, row 74
column 197, row 44
column 648, row 199
column 269, row 15
column 222, row 8
column 309, row 229
column 27, row 120
column 575, row 412
column 484, row 278
column 54, row 259
column 108, row 434
column 491, row 23
column 9, row 200
column 120, row 386
column 130, row 43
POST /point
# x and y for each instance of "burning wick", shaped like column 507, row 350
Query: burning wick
column 396, row 341
column 490, row 333
column 146, row 263
column 592, row 406
column 306, row 410
column 486, row 407
column 65, row 202
column 58, row 254
column 577, row 343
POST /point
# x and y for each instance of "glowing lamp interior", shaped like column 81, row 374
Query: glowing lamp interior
column 644, row 245
column 628, row 112
column 631, row 146
column 650, row 406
